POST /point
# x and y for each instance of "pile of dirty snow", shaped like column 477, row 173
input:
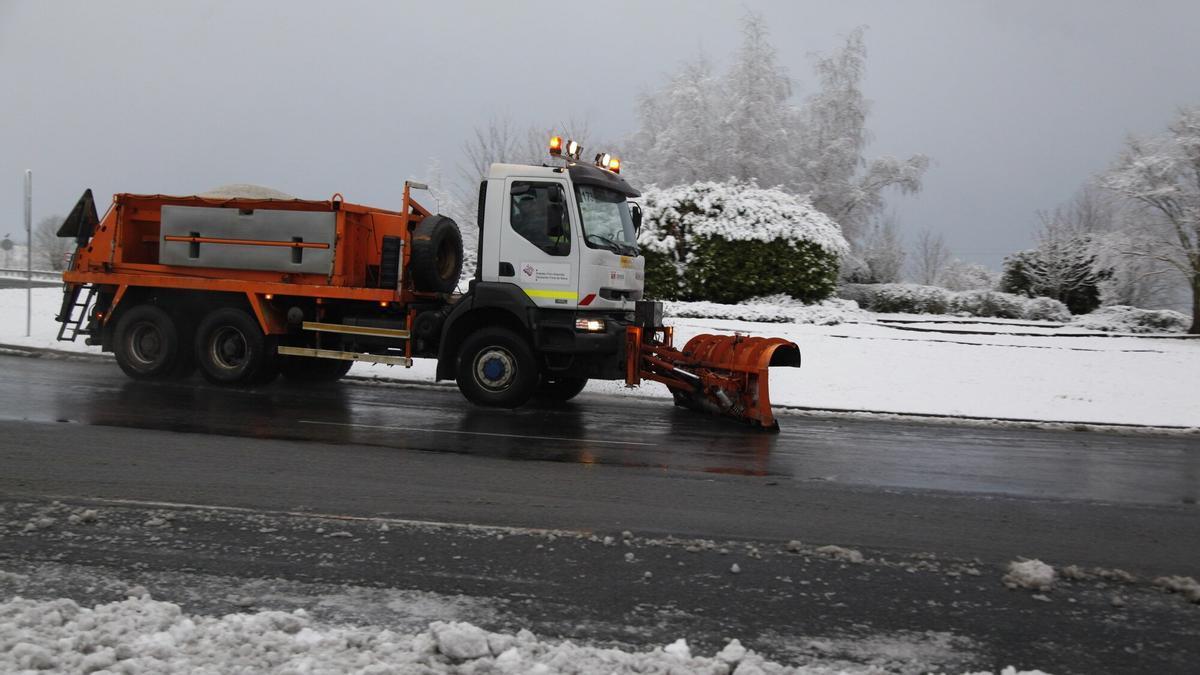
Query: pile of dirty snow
column 141, row 635
column 1032, row 574
column 1188, row 587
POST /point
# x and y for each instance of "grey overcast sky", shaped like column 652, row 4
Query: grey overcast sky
column 1017, row 102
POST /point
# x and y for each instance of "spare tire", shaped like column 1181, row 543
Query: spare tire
column 437, row 255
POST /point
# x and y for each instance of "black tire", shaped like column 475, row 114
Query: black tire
column 231, row 348
column 306, row 370
column 146, row 343
column 437, row 255
column 560, row 388
column 497, row 368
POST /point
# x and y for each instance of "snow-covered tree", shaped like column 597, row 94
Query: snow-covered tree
column 1062, row 265
column 878, row 257
column 755, row 127
column 1129, row 280
column 830, row 135
column 1161, row 175
column 676, row 143
column 930, row 257
column 50, row 250
column 1090, row 224
column 959, row 275
column 744, row 125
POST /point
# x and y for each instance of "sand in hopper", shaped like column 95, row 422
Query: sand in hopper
column 244, row 191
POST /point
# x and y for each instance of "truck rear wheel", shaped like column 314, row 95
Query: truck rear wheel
column 497, row 368
column 437, row 255
column 309, row 370
column 560, row 388
column 146, row 343
column 231, row 349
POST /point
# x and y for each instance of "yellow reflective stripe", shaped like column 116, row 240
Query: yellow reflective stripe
column 557, row 295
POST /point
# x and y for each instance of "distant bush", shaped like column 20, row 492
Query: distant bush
column 988, row 303
column 917, row 299
column 727, row 242
column 1125, row 319
column 1058, row 269
column 898, row 298
column 1046, row 309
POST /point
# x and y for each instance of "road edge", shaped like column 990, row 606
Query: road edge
column 789, row 410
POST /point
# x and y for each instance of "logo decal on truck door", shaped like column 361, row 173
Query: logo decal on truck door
column 556, row 274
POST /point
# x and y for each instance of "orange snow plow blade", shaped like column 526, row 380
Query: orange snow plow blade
column 718, row 374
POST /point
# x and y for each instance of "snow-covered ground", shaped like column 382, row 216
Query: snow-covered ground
column 986, row 368
column 143, row 635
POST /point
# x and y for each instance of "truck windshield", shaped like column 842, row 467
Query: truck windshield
column 606, row 220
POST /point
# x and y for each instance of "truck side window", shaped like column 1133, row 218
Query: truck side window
column 530, row 206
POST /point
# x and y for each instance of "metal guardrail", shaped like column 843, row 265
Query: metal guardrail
column 38, row 275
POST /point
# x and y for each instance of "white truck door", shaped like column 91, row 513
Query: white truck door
column 539, row 244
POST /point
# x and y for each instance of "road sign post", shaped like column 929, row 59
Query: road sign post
column 28, row 251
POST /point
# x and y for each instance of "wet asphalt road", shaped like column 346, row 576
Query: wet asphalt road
column 80, row 429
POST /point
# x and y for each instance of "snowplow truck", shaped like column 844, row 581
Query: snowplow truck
column 248, row 287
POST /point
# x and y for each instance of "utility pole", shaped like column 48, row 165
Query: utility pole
column 28, row 251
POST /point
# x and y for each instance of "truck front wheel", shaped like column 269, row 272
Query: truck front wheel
column 146, row 343
column 497, row 368
column 231, row 348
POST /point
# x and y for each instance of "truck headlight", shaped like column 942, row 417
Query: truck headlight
column 590, row 325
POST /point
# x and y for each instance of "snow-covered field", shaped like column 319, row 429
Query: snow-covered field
column 987, row 368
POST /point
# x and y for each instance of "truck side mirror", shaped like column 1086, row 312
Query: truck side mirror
column 635, row 212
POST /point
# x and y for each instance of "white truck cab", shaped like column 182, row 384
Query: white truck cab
column 557, row 282
column 565, row 235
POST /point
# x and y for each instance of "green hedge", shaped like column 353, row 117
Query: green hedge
column 728, row 242
column 732, row 271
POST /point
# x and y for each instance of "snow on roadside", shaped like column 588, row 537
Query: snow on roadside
column 773, row 309
column 1124, row 319
column 142, row 635
column 839, row 553
column 1188, row 587
column 880, row 368
column 1031, row 574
